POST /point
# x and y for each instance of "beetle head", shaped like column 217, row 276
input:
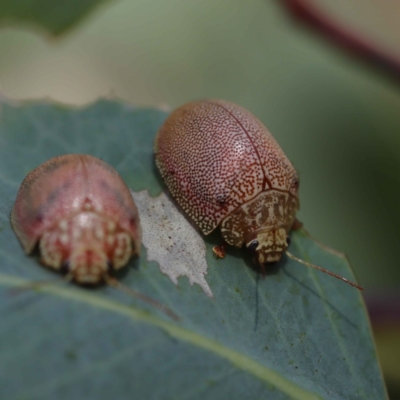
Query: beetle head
column 268, row 246
column 88, row 265
column 88, row 246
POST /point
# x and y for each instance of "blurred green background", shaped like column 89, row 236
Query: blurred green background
column 337, row 119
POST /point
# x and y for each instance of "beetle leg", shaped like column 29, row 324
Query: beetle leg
column 296, row 225
column 219, row 251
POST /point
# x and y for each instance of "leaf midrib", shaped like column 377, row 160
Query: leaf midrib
column 240, row 361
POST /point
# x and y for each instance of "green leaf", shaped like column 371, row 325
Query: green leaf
column 295, row 334
column 53, row 16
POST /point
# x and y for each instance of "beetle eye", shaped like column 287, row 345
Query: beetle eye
column 253, row 245
column 296, row 183
column 109, row 266
column 65, row 268
column 288, row 240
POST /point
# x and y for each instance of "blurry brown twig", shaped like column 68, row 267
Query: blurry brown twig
column 352, row 42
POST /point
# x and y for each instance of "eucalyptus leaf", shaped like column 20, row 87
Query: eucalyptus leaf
column 294, row 334
column 53, row 16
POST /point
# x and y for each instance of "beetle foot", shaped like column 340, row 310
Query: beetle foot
column 296, row 225
column 219, row 251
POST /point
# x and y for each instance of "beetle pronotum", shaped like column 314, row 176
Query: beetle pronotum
column 224, row 168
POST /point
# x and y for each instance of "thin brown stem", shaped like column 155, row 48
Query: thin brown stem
column 346, row 38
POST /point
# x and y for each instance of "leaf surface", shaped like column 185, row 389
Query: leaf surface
column 295, row 334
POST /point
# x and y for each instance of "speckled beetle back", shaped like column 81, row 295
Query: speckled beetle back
column 216, row 158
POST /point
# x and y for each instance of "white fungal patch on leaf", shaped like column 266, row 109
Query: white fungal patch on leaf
column 171, row 240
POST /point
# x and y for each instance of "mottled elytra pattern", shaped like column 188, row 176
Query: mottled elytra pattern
column 215, row 156
column 269, row 210
column 82, row 215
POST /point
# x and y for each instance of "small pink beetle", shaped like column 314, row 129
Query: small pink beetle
column 81, row 214
column 224, row 168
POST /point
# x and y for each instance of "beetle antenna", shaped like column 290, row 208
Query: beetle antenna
column 299, row 260
column 114, row 283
